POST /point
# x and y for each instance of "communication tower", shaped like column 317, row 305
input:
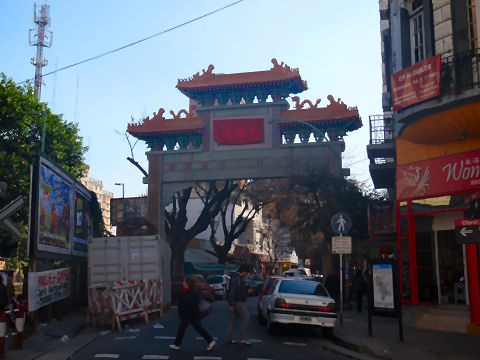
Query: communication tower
column 42, row 21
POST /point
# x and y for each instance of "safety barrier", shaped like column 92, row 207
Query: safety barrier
column 99, row 304
column 121, row 301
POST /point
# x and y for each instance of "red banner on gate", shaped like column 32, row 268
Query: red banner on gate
column 444, row 175
column 416, row 83
column 238, row 131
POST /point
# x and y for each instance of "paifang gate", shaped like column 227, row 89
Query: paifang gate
column 240, row 126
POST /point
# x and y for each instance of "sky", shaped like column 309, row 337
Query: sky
column 335, row 45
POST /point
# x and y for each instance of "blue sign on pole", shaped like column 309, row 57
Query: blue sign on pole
column 341, row 223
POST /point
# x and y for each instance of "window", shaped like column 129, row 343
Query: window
column 472, row 21
column 417, row 36
column 302, row 287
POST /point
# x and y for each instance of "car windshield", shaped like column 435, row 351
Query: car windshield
column 302, row 287
column 214, row 279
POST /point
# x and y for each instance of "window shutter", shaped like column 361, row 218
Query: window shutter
column 463, row 66
column 406, row 49
column 429, row 36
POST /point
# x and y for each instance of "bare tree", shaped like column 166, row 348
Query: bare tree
column 178, row 236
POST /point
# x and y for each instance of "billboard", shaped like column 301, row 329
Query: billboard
column 47, row 287
column 381, row 219
column 82, row 225
column 61, row 212
column 445, row 175
column 416, row 83
column 55, row 207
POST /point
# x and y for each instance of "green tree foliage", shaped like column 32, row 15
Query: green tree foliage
column 21, row 123
column 99, row 229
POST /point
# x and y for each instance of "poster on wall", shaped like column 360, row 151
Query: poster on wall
column 47, row 287
column 55, row 207
column 82, row 225
column 383, row 290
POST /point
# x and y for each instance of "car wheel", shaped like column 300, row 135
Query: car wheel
column 327, row 332
column 271, row 326
column 260, row 318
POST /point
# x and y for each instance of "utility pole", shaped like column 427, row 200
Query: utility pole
column 39, row 62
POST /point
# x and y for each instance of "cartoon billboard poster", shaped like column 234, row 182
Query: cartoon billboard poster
column 55, row 201
column 83, row 225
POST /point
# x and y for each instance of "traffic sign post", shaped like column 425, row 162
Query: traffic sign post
column 341, row 224
column 467, row 231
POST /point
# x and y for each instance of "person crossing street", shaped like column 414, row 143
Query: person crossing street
column 237, row 296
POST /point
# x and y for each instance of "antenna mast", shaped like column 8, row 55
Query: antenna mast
column 39, row 62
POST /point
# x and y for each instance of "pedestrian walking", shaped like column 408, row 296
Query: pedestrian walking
column 359, row 287
column 237, row 296
column 189, row 313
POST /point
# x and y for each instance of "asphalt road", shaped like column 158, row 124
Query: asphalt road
column 142, row 341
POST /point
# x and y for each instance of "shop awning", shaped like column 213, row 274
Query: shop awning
column 223, row 267
column 199, row 256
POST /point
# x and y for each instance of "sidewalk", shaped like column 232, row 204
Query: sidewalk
column 385, row 343
column 46, row 343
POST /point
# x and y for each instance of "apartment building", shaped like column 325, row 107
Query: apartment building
column 425, row 147
column 103, row 197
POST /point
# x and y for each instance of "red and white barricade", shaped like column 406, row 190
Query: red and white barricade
column 100, row 305
column 152, row 293
column 125, row 300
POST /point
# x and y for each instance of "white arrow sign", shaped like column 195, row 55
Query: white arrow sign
column 464, row 231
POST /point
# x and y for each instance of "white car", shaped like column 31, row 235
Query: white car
column 219, row 284
column 297, row 301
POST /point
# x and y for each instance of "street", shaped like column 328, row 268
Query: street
column 142, row 341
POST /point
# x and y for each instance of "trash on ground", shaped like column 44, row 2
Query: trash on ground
column 158, row 326
column 105, row 332
column 64, row 338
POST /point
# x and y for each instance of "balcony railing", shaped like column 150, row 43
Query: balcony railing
column 460, row 72
column 381, row 129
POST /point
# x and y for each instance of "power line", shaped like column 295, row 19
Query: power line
column 139, row 41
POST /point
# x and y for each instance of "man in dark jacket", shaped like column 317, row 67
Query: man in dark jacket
column 189, row 314
column 237, row 296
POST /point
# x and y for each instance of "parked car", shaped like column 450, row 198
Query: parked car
column 220, row 284
column 266, row 286
column 302, row 273
column 204, row 290
column 297, row 301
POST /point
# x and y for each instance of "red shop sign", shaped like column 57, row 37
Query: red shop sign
column 416, row 83
column 439, row 176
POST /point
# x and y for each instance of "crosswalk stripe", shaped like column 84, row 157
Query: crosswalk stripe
column 201, row 338
column 207, row 358
column 107, row 356
column 124, row 337
column 294, row 343
column 165, row 337
column 155, row 357
column 257, row 359
column 255, row 340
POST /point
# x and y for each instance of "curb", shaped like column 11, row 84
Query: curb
column 360, row 349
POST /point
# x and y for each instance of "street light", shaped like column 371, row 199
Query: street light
column 123, row 188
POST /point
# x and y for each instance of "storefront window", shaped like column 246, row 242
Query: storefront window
column 405, row 259
column 403, row 208
column 427, row 284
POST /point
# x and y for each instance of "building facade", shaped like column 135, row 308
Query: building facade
column 425, row 147
column 103, row 197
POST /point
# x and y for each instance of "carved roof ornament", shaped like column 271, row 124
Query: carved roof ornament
column 337, row 114
column 159, row 124
column 299, row 105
